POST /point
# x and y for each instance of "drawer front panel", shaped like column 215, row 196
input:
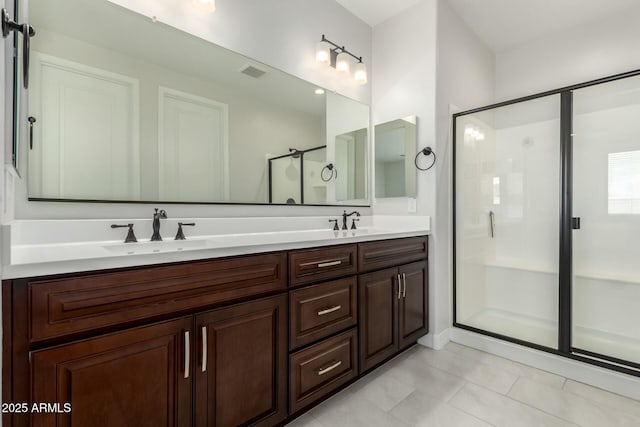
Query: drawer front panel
column 322, row 368
column 70, row 305
column 390, row 253
column 321, row 310
column 316, row 265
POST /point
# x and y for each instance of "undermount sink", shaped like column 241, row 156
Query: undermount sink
column 231, row 240
column 155, row 247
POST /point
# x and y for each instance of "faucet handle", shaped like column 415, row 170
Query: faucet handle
column 353, row 223
column 131, row 237
column 335, row 224
column 180, row 234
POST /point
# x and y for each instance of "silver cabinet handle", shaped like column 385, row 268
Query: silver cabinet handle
column 323, row 371
column 329, row 263
column 204, row 349
column 187, row 355
column 404, row 285
column 329, row 310
column 399, row 286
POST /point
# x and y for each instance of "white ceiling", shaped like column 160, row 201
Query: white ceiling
column 504, row 24
column 374, row 12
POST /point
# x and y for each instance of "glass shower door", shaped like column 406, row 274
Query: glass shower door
column 507, row 196
column 606, row 197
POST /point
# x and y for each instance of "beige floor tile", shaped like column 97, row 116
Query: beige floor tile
column 422, row 376
column 569, row 406
column 421, row 409
column 349, row 410
column 500, row 410
column 515, row 368
column 454, row 347
column 605, row 398
column 305, row 421
column 483, row 374
column 385, row 391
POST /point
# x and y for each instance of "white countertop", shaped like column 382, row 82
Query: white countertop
column 44, row 247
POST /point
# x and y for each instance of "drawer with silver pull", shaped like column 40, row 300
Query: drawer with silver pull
column 318, row 370
column 321, row 310
column 316, row 265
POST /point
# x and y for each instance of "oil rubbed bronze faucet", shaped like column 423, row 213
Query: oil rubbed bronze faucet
column 156, row 237
column 345, row 215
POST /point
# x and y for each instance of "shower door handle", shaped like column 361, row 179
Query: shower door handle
column 575, row 223
column 492, row 225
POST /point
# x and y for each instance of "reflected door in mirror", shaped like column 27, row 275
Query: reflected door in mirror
column 90, row 149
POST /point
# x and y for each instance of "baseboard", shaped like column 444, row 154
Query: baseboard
column 436, row 341
column 616, row 382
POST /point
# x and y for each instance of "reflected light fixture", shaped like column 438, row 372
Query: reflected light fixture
column 330, row 53
column 205, row 5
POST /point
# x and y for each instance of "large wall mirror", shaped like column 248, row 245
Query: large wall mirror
column 395, row 172
column 127, row 109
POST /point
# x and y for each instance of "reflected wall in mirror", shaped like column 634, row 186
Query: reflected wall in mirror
column 149, row 113
column 395, row 172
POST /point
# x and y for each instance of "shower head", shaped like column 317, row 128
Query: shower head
column 295, row 151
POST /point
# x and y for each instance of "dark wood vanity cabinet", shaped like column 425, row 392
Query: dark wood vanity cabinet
column 246, row 340
column 241, row 366
column 137, row 377
column 393, row 311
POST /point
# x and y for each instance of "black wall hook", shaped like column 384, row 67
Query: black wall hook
column 427, row 151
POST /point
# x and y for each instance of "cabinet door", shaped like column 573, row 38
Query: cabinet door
column 241, row 364
column 413, row 310
column 130, row 378
column 377, row 311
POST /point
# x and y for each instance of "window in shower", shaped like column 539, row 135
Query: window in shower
column 624, row 182
column 506, row 213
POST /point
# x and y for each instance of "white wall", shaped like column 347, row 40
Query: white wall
column 425, row 60
column 404, row 84
column 572, row 56
column 465, row 79
column 280, row 33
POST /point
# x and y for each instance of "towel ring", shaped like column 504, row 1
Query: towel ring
column 427, row 151
column 332, row 169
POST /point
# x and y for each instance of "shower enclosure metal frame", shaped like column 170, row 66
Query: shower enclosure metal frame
column 300, row 153
column 567, row 224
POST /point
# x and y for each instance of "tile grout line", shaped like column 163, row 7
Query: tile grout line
column 512, row 385
column 543, row 411
column 464, row 384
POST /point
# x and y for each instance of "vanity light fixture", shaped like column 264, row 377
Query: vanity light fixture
column 205, row 5
column 319, row 91
column 328, row 52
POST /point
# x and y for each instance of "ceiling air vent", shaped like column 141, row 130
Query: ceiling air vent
column 252, row 71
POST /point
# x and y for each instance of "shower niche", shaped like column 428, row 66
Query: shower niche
column 547, row 193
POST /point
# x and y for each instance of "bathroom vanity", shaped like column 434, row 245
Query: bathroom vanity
column 251, row 339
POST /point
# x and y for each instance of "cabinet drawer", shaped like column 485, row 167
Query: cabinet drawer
column 70, row 305
column 316, row 265
column 390, row 253
column 321, row 310
column 322, row 368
